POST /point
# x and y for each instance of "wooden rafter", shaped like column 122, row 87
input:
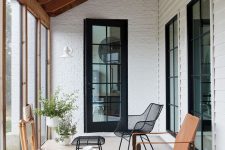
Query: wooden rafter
column 56, row 7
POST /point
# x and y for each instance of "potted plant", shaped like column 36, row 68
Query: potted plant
column 66, row 129
column 56, row 107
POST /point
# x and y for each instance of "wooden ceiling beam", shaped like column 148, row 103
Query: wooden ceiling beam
column 56, row 7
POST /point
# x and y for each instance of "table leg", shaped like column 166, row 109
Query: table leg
column 134, row 139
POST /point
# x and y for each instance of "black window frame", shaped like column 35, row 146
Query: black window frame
column 168, row 77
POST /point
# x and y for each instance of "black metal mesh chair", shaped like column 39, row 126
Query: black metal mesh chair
column 139, row 123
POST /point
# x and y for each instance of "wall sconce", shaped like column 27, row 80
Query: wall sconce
column 67, row 52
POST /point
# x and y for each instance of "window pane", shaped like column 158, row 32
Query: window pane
column 43, row 79
column 13, row 74
column 31, row 29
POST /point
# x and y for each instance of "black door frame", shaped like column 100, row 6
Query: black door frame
column 190, row 65
column 89, row 126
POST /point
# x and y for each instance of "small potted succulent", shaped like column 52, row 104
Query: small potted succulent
column 66, row 129
column 56, row 107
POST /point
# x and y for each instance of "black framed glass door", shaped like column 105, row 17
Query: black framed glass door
column 105, row 74
column 199, row 61
column 172, row 121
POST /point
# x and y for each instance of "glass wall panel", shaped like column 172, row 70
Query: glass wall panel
column 31, row 44
column 13, row 74
column 43, row 79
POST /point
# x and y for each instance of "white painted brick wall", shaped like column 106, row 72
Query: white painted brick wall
column 67, row 30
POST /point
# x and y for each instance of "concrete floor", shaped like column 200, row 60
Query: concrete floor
column 112, row 143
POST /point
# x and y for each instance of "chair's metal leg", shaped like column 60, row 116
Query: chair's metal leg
column 129, row 143
column 120, row 142
column 149, row 142
column 143, row 141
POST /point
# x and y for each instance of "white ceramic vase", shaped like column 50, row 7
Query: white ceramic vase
column 65, row 142
column 52, row 122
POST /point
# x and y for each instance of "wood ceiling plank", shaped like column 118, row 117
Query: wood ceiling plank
column 42, row 2
column 57, row 7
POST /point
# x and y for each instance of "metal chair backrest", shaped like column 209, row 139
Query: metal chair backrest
column 149, row 117
column 187, row 133
column 152, row 112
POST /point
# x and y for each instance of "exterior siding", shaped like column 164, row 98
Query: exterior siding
column 167, row 10
column 218, row 7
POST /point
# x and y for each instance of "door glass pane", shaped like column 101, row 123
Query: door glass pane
column 99, row 92
column 198, row 138
column 175, row 33
column 43, row 79
column 99, row 35
column 196, row 95
column 196, row 57
column 205, row 7
column 171, row 90
column 115, row 53
column 175, row 62
column 13, row 74
column 31, row 25
column 172, row 118
column 206, row 54
column 99, row 112
column 176, row 120
column 113, row 35
column 113, row 110
column 113, row 73
column 171, row 36
column 176, row 91
column 99, row 73
column 171, row 64
column 97, row 56
column 196, row 22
